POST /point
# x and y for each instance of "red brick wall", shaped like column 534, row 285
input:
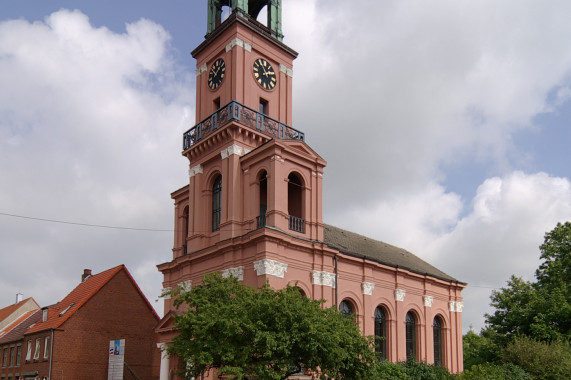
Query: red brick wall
column 81, row 345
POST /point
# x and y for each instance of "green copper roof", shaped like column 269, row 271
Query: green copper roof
column 250, row 8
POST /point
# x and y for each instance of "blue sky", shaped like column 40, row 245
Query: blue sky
column 445, row 125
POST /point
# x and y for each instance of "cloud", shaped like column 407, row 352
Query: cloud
column 87, row 117
column 403, row 88
column 394, row 93
column 390, row 93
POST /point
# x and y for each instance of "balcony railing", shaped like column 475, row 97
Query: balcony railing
column 296, row 224
column 246, row 116
column 260, row 221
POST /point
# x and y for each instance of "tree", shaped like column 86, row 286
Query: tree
column 541, row 309
column 262, row 333
column 478, row 349
column 548, row 361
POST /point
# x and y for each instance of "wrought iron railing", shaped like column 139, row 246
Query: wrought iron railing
column 260, row 221
column 296, row 224
column 246, row 116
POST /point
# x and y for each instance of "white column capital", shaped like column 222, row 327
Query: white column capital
column 240, row 43
column 165, row 293
column 323, row 278
column 270, row 267
column 428, row 300
column 287, row 71
column 237, row 272
column 233, row 149
column 195, row 170
column 201, row 69
column 399, row 295
column 185, row 285
column 368, row 288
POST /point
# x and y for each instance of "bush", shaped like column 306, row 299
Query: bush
column 479, row 349
column 423, row 371
column 410, row 370
column 491, row 371
column 388, row 371
column 541, row 360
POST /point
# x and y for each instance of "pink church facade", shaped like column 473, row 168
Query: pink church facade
column 253, row 206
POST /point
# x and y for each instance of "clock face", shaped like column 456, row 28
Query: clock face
column 216, row 74
column 264, row 74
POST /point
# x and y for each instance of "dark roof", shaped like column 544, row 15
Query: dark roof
column 361, row 246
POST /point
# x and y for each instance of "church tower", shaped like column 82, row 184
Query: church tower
column 252, row 208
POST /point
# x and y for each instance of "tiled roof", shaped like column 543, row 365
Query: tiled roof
column 357, row 245
column 8, row 310
column 63, row 310
column 17, row 329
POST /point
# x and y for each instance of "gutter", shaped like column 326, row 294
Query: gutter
column 51, row 355
column 336, row 259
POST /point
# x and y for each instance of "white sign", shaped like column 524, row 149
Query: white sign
column 116, row 359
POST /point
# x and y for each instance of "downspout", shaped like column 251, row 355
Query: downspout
column 335, row 258
column 51, row 355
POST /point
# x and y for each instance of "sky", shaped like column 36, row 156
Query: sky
column 445, row 125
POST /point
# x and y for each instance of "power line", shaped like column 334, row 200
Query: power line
column 85, row 224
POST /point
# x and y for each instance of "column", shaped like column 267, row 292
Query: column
column 164, row 373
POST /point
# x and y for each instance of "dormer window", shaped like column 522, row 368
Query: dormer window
column 44, row 315
column 66, row 309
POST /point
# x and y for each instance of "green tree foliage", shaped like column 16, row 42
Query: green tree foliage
column 541, row 309
column 410, row 370
column 479, row 349
column 490, row 371
column 244, row 333
column 549, row 361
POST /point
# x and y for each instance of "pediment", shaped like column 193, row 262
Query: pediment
column 166, row 324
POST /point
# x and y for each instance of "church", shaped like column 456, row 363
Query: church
column 253, row 205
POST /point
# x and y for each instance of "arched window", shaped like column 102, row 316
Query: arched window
column 185, row 216
column 410, row 336
column 346, row 309
column 380, row 333
column 438, row 341
column 263, row 179
column 294, row 202
column 216, row 203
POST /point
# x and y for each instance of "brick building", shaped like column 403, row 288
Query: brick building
column 71, row 339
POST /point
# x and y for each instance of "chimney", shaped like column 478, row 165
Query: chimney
column 19, row 297
column 85, row 275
